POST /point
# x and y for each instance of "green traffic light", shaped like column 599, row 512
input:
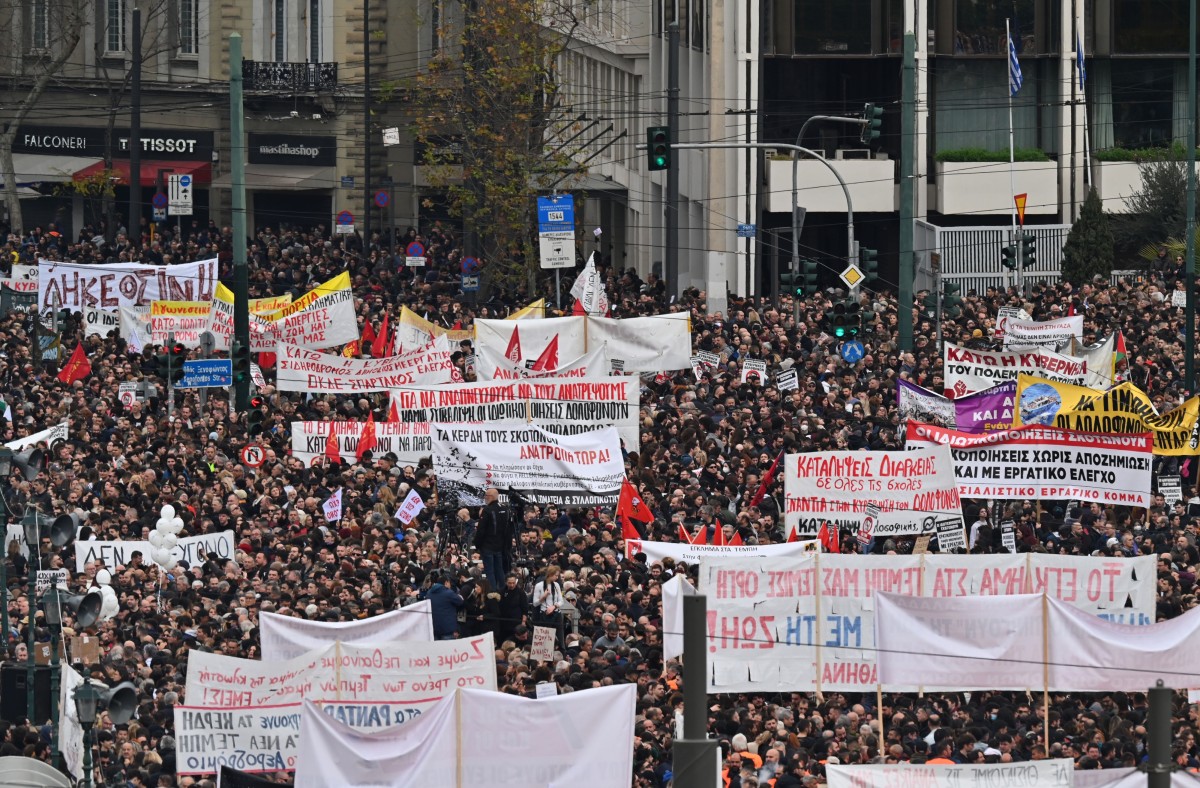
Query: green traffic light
column 660, row 161
column 839, row 332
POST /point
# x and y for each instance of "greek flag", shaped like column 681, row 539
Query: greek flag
column 1014, row 68
column 1079, row 60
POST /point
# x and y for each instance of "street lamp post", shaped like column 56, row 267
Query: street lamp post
column 87, row 699
column 33, row 540
column 53, row 606
column 6, row 456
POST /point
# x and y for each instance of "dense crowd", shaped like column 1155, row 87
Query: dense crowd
column 705, row 446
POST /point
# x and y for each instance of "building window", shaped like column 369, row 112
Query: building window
column 1142, row 103
column 965, row 118
column 114, row 37
column 825, row 28
column 1149, row 27
column 979, row 26
column 314, row 31
column 279, row 31
column 189, row 27
column 39, row 26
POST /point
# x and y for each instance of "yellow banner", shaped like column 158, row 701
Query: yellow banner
column 413, row 320
column 1122, row 410
column 258, row 306
column 534, row 310
column 339, row 282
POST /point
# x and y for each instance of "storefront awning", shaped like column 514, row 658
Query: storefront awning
column 201, row 171
column 31, row 168
column 281, row 178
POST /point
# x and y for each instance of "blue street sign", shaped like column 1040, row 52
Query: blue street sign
column 747, row 230
column 206, row 373
column 470, row 284
column 185, row 181
column 347, row 181
column 853, row 351
column 414, row 249
column 159, row 200
column 556, row 214
column 345, row 217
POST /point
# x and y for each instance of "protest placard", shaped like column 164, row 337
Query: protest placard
column 99, row 322
column 754, row 370
column 968, row 371
column 409, row 441
column 1045, row 334
column 542, row 647
column 181, row 321
column 690, row 554
column 289, row 637
column 1171, row 489
column 193, row 549
column 984, row 411
column 490, row 365
column 302, row 369
column 109, row 286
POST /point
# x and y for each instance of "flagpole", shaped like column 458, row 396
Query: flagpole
column 1081, row 81
column 1012, row 182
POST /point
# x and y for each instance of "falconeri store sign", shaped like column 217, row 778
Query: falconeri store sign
column 83, row 141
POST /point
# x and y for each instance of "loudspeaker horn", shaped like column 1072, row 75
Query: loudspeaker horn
column 64, row 528
column 121, row 702
column 31, row 463
column 85, row 607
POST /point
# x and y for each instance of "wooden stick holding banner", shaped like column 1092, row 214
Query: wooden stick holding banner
column 1046, row 668
column 879, row 714
column 458, row 748
column 817, row 602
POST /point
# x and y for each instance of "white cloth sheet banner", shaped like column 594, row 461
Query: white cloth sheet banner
column 526, row 340
column 1055, row 773
column 1101, row 360
column 1047, row 334
column 915, row 491
column 99, row 322
column 193, row 549
column 968, row 371
column 481, row 740
column 673, row 592
column 490, row 365
column 691, row 554
column 288, row 637
column 807, row 624
column 656, row 343
column 973, row 643
column 111, row 285
column 407, row 440
column 1045, row 463
column 302, row 369
column 70, row 731
column 571, row 470
column 49, row 436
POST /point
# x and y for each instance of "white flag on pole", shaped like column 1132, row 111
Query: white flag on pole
column 333, row 507
column 412, row 506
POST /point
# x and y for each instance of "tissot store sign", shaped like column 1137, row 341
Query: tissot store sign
column 87, row 141
column 293, row 149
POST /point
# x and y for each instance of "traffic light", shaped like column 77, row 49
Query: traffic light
column 658, row 147
column 868, row 263
column 808, row 270
column 162, row 363
column 839, row 324
column 256, row 417
column 929, row 304
column 1008, row 257
column 178, row 356
column 1028, row 249
column 853, row 318
column 873, row 116
column 241, row 362
column 951, row 300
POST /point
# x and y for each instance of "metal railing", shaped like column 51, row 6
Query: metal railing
column 289, row 77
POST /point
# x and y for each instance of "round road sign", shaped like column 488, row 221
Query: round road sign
column 470, row 266
column 853, row 351
column 159, row 200
column 381, row 199
column 253, row 456
column 185, row 181
column 414, row 249
column 345, row 217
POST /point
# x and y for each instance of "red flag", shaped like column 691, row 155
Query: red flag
column 830, row 538
column 380, row 342
column 266, row 359
column 701, row 536
column 735, row 540
column 513, row 351
column 578, row 309
column 351, row 349
column 77, row 367
column 457, row 326
column 331, row 447
column 393, row 413
column 368, row 333
column 718, row 534
column 631, row 505
column 767, row 480
column 549, row 357
column 628, row 530
column 1071, row 309
column 684, row 536
column 793, row 536
column 367, row 440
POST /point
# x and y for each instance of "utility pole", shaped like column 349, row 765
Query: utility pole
column 367, row 197
column 908, row 177
column 135, row 133
column 1158, row 729
column 695, row 761
column 671, row 270
column 237, row 159
column 1190, row 234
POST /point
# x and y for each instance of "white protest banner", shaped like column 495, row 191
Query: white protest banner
column 413, row 505
column 193, row 549
column 1006, row 313
column 409, row 441
column 490, row 365
column 589, row 289
column 1171, row 488
column 50, row 437
column 321, row 318
column 787, row 380
column 70, row 731
column 135, row 325
column 287, row 637
column 768, row 615
column 690, row 554
column 1056, row 773
column 301, row 369
column 585, row 469
column 1039, row 462
column 581, row 738
column 24, row 279
column 754, row 370
column 673, row 592
column 111, row 285
column 526, row 340
column 561, row 406
column 968, row 371
column 542, row 647
column 127, row 391
column 50, row 577
column 99, row 322
column 1101, row 360
column 180, row 321
column 1046, row 334
column 332, row 509
column 655, row 343
column 837, row 486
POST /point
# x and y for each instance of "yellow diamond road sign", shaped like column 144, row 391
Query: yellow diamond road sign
column 852, row 275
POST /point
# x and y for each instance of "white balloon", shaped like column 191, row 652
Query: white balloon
column 177, row 523
column 168, row 511
column 163, row 525
column 110, row 608
column 171, row 564
column 155, row 538
column 103, row 578
column 159, row 556
column 107, row 592
column 170, row 541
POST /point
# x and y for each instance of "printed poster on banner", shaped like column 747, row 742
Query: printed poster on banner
column 951, row 538
column 1124, row 410
column 490, row 365
column 787, row 380
column 690, row 554
column 301, row 369
column 186, row 320
column 99, row 322
column 989, row 410
column 1045, row 463
column 1008, row 535
column 1005, row 314
column 127, row 392
column 768, row 615
column 585, row 469
column 193, row 549
column 1101, row 360
column 1020, row 334
column 1171, row 489
column 914, row 492
column 968, row 371
column 1057, row 773
column 245, row 713
column 109, row 286
column 754, row 370
column 866, row 528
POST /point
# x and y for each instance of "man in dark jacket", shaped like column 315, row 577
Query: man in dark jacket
column 494, row 537
column 507, row 608
column 445, row 603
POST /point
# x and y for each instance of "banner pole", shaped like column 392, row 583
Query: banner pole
column 879, row 715
column 817, row 629
column 458, row 764
column 337, row 667
column 1046, row 670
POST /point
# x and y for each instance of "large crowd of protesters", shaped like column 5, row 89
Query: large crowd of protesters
column 705, row 446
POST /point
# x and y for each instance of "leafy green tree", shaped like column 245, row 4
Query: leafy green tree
column 1089, row 247
column 1156, row 210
